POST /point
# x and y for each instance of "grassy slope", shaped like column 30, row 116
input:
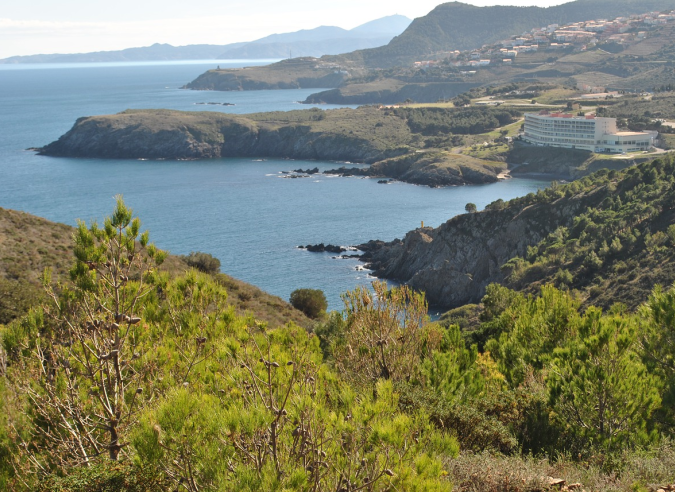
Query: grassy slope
column 29, row 244
column 362, row 135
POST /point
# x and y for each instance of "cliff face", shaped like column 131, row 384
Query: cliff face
column 456, row 261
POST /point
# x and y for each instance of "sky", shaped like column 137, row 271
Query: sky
column 30, row 27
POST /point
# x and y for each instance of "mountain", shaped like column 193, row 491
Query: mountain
column 459, row 26
column 324, row 40
column 156, row 52
column 304, row 48
column 384, row 25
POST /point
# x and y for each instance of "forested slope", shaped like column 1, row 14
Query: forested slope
column 609, row 235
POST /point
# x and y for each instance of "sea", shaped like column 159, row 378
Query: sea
column 242, row 211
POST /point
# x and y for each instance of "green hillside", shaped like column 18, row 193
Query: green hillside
column 607, row 236
column 134, row 379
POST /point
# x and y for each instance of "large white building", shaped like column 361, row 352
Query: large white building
column 583, row 132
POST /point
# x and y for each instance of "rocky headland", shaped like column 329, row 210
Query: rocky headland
column 296, row 73
column 455, row 262
column 388, row 141
column 166, row 134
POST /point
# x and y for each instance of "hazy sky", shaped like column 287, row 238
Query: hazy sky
column 75, row 26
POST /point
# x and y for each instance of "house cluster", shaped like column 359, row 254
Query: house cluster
column 580, row 35
column 577, row 35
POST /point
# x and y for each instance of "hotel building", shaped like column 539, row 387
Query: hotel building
column 583, row 132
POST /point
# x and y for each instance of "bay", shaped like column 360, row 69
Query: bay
column 240, row 210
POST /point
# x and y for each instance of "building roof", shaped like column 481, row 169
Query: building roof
column 564, row 115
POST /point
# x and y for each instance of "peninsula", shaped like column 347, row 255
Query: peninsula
column 413, row 145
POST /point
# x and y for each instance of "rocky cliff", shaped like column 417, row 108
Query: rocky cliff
column 456, row 261
column 164, row 134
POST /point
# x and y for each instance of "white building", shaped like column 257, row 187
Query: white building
column 582, row 132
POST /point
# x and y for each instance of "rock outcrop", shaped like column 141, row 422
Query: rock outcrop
column 433, row 169
column 455, row 262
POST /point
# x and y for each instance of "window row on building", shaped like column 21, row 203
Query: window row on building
column 583, row 132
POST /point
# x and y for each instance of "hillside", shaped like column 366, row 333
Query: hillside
column 608, row 236
column 366, row 135
column 29, row 244
column 422, row 65
column 155, row 385
column 640, row 65
column 460, row 26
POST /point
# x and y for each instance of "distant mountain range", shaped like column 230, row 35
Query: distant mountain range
column 324, row 40
column 459, row 26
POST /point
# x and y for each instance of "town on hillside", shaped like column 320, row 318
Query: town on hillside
column 577, row 36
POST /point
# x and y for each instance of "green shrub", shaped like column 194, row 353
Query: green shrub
column 204, row 262
column 106, row 476
column 475, row 430
column 312, row 302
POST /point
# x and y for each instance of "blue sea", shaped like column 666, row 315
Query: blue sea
column 240, row 210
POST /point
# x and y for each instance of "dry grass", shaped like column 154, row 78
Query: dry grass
column 636, row 471
column 29, row 244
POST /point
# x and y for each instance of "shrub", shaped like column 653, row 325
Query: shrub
column 312, row 302
column 475, row 430
column 204, row 262
column 106, row 477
